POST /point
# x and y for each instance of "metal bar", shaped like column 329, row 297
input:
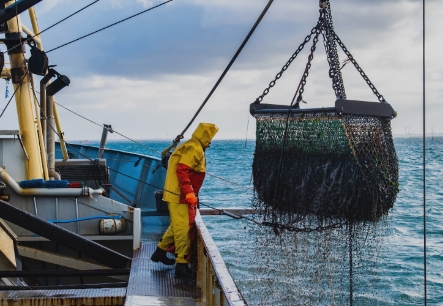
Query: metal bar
column 119, row 193
column 208, row 212
column 342, row 106
column 230, row 214
column 65, row 273
column 10, row 132
column 62, row 236
column 256, row 108
column 35, row 207
column 60, row 134
column 59, row 259
column 35, row 28
column 106, row 128
column 23, row 146
column 76, row 215
column 15, row 9
column 35, row 38
column 56, row 208
column 83, row 286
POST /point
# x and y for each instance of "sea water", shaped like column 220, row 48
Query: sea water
column 399, row 278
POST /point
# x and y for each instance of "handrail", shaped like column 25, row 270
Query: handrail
column 210, row 262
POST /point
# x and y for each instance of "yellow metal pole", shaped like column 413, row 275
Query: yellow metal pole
column 34, row 23
column 61, row 135
column 23, row 99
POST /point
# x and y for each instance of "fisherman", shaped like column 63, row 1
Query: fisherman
column 184, row 177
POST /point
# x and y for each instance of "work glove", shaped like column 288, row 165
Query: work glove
column 191, row 198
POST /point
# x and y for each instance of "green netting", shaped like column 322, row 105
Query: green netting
column 329, row 166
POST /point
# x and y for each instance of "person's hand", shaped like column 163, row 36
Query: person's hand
column 191, row 198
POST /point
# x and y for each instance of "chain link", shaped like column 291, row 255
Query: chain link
column 288, row 63
column 357, row 66
column 332, row 54
column 308, row 66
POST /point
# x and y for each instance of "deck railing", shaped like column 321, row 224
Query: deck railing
column 213, row 278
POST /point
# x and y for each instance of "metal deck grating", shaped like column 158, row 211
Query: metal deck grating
column 163, row 301
column 68, row 293
column 148, row 278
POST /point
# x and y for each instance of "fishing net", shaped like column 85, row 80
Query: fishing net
column 326, row 165
column 323, row 184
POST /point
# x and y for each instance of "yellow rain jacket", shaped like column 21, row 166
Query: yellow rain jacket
column 186, row 172
column 187, row 165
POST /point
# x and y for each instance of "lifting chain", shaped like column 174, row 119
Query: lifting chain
column 332, row 54
column 330, row 40
column 289, row 62
column 357, row 66
column 308, row 66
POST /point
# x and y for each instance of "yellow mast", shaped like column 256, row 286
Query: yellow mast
column 61, row 135
column 24, row 101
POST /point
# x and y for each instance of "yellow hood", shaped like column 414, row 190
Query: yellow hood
column 205, row 132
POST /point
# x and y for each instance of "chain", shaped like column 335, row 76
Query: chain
column 357, row 66
column 308, row 66
column 332, row 54
column 288, row 63
column 289, row 228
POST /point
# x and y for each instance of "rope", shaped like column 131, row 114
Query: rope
column 111, row 25
column 29, row 38
column 226, row 69
column 424, row 154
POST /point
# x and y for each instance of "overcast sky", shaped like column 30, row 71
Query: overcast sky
column 148, row 75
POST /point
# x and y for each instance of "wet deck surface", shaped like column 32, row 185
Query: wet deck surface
column 153, row 283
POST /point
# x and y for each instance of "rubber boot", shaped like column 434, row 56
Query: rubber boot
column 182, row 270
column 160, row 255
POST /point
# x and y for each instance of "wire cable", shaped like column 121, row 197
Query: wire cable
column 7, row 104
column 109, row 129
column 111, row 25
column 275, row 226
column 151, row 149
column 226, row 69
column 424, row 153
column 29, row 38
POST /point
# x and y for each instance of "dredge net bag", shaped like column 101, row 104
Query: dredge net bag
column 323, row 188
column 328, row 165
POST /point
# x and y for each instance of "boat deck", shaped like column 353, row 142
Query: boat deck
column 153, row 283
column 149, row 283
